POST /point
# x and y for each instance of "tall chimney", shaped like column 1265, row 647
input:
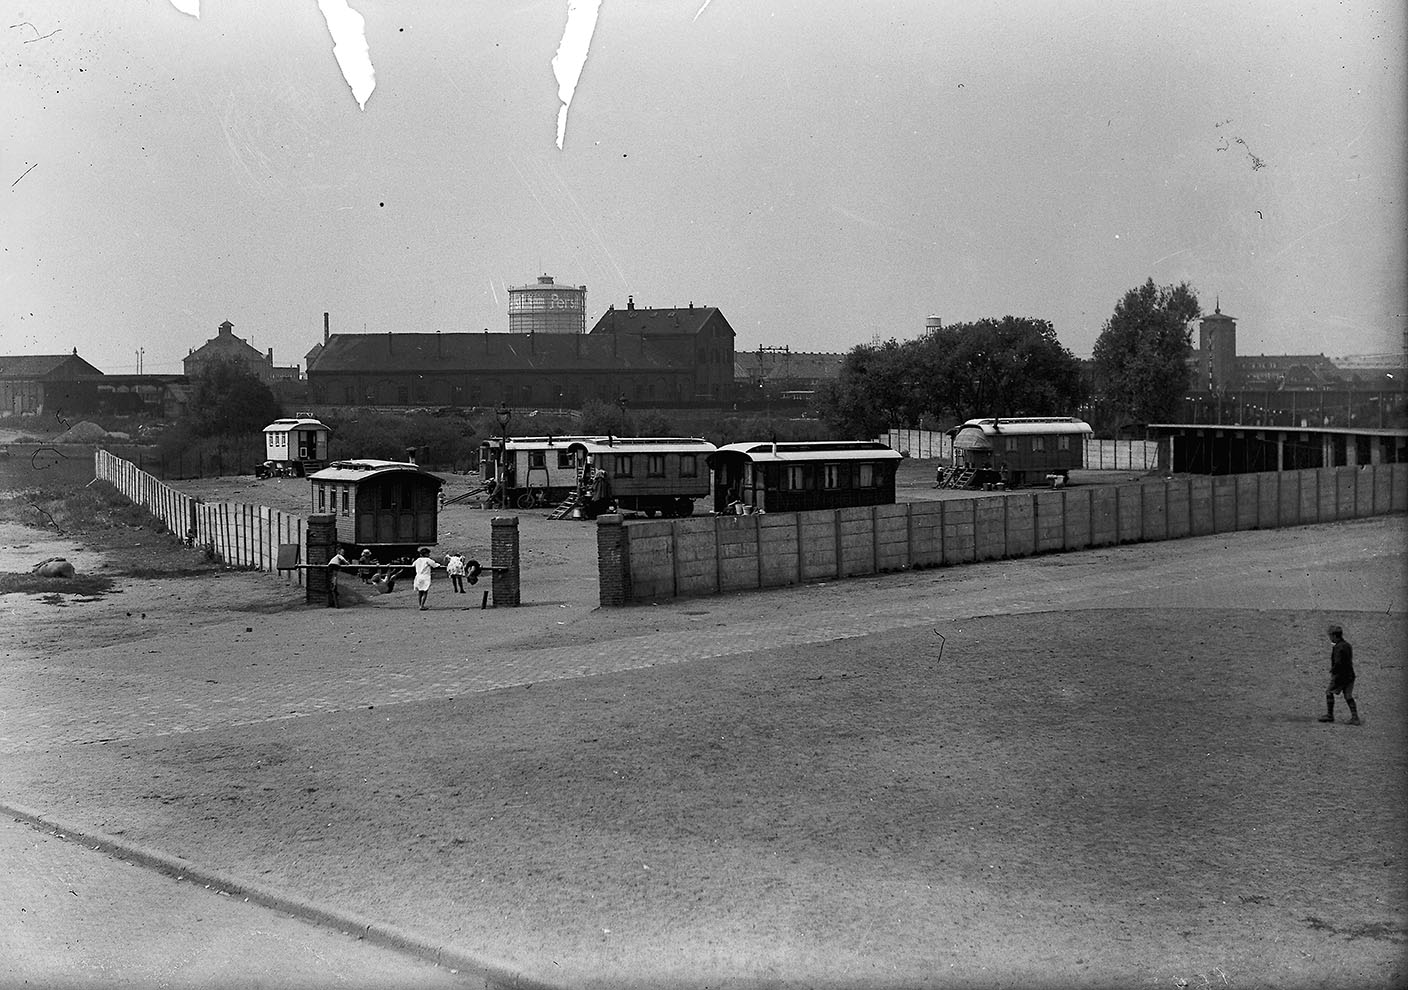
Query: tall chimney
column 630, row 302
column 325, row 329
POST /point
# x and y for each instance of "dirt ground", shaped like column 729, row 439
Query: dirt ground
column 1082, row 770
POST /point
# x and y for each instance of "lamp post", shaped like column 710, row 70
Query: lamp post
column 503, row 414
column 622, row 402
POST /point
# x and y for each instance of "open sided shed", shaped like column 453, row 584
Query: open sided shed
column 392, row 505
column 1019, row 449
column 794, row 477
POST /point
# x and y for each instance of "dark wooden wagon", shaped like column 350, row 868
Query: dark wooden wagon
column 388, row 507
column 794, row 477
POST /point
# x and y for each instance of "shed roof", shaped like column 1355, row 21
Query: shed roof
column 504, row 352
column 27, row 366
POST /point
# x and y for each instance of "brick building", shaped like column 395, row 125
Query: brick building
column 31, row 384
column 226, row 346
column 648, row 356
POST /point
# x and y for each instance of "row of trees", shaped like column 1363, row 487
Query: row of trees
column 1015, row 366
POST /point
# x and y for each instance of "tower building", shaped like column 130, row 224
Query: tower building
column 546, row 306
column 1217, row 351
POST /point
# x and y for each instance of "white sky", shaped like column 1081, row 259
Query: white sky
column 823, row 171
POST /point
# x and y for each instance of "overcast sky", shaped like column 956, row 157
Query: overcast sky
column 823, row 171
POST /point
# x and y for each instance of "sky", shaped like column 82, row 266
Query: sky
column 825, row 172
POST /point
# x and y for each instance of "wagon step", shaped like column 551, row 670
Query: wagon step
column 565, row 507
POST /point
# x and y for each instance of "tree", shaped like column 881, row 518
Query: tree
column 1141, row 370
column 878, row 386
column 1013, row 366
column 228, row 399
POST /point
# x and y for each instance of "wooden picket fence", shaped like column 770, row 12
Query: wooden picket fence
column 240, row 535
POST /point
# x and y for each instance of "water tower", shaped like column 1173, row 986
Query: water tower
column 547, row 307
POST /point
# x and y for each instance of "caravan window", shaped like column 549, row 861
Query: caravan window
column 689, row 465
column 655, row 465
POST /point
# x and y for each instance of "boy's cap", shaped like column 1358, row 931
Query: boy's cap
column 1335, row 631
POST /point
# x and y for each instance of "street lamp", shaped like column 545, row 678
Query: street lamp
column 625, row 415
column 503, row 414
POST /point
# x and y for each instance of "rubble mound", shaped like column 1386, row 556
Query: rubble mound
column 84, row 432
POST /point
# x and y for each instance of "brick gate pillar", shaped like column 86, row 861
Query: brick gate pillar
column 613, row 560
column 320, row 539
column 503, row 557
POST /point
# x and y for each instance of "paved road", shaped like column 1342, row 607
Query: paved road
column 73, row 917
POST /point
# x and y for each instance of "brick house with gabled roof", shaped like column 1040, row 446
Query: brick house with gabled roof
column 227, row 347
column 31, row 384
column 698, row 337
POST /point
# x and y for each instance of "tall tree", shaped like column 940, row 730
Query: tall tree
column 1013, row 366
column 1141, row 370
column 879, row 386
column 228, row 399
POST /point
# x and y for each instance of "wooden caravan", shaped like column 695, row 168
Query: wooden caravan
column 534, row 470
column 295, row 446
column 653, row 475
column 389, row 507
column 792, row 477
column 1017, row 451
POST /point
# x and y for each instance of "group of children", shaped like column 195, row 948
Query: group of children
column 459, row 567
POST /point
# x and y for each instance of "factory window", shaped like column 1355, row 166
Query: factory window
column 421, row 394
column 527, row 395
column 655, row 465
column 346, row 499
column 689, row 465
column 322, row 498
column 403, row 397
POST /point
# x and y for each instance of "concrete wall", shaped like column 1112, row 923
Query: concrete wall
column 242, row 535
column 658, row 559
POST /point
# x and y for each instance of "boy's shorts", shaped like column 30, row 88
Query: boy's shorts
column 1345, row 688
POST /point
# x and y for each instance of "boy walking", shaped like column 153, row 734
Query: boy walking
column 1341, row 677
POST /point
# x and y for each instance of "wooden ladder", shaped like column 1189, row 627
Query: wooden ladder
column 565, row 507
